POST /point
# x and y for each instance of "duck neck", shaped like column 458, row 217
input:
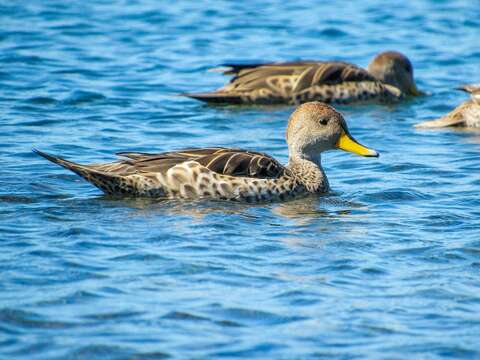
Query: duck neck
column 308, row 170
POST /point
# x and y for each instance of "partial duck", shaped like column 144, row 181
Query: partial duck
column 466, row 114
column 230, row 174
column 389, row 78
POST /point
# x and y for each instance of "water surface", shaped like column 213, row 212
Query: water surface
column 386, row 266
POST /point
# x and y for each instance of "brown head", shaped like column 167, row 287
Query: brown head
column 394, row 68
column 315, row 127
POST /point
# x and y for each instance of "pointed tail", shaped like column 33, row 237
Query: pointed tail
column 108, row 183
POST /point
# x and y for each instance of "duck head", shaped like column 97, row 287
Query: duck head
column 315, row 127
column 394, row 68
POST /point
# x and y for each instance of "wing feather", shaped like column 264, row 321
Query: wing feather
column 306, row 74
column 233, row 162
column 243, row 163
column 237, row 68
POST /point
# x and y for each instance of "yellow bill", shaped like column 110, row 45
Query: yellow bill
column 347, row 143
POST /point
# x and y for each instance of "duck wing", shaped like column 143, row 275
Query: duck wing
column 236, row 68
column 282, row 80
column 307, row 74
column 232, row 162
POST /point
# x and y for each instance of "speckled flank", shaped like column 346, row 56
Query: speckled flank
column 190, row 180
column 349, row 92
column 345, row 93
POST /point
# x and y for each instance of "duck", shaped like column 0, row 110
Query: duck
column 467, row 114
column 388, row 78
column 230, row 174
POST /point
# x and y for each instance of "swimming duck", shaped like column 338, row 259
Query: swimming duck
column 466, row 114
column 230, row 174
column 389, row 77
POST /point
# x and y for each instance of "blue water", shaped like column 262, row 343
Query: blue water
column 386, row 266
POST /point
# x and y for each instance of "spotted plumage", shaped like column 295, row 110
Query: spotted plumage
column 389, row 78
column 467, row 114
column 230, row 174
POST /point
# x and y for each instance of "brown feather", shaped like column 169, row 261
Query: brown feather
column 235, row 69
column 310, row 73
column 234, row 162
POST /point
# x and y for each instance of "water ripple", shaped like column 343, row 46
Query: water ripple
column 386, row 266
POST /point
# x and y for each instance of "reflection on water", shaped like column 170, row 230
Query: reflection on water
column 386, row 266
column 303, row 210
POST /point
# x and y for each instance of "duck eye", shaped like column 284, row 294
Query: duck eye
column 408, row 67
column 324, row 121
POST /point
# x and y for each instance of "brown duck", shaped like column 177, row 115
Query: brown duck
column 389, row 78
column 467, row 114
column 230, row 174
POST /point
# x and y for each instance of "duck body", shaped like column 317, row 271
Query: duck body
column 221, row 173
column 466, row 114
column 228, row 174
column 326, row 81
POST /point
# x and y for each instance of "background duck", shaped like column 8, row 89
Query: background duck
column 389, row 77
column 466, row 114
column 230, row 174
